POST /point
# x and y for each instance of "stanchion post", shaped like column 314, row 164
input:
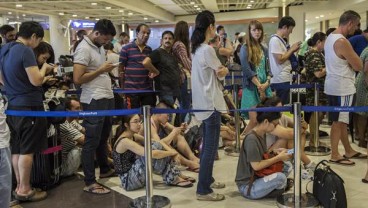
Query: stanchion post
column 237, row 122
column 316, row 117
column 290, row 91
column 148, row 152
column 297, row 153
column 298, row 82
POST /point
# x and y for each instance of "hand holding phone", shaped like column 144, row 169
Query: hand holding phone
column 290, row 151
column 116, row 64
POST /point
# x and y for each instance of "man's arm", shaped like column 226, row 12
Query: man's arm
column 281, row 58
column 36, row 76
column 344, row 50
column 147, row 63
column 81, row 76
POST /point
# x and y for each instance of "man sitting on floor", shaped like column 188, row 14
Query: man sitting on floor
column 172, row 136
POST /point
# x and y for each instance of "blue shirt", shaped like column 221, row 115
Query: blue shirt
column 136, row 76
column 14, row 59
column 359, row 42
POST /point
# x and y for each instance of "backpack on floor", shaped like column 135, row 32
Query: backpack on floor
column 46, row 167
column 328, row 187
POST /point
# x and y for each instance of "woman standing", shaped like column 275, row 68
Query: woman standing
column 207, row 95
column 315, row 73
column 180, row 50
column 256, row 75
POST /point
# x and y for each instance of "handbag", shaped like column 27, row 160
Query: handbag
column 274, row 168
column 328, row 187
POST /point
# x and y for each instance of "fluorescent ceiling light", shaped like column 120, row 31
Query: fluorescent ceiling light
column 18, row 5
column 107, row 7
column 192, row 2
column 121, row 10
column 145, row 18
column 195, row 5
column 74, row 15
column 93, row 4
column 157, row 21
column 10, row 13
column 130, row 13
column 61, row 13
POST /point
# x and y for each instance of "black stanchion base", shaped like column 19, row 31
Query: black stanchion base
column 231, row 151
column 157, row 202
column 287, row 200
column 317, row 151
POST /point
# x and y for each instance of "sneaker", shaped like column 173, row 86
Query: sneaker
column 217, row 185
column 311, row 166
column 210, row 197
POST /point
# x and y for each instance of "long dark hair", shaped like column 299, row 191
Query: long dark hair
column 181, row 33
column 121, row 128
column 43, row 48
column 318, row 36
column 202, row 22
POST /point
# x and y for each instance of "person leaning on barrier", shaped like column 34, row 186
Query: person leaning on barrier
column 91, row 71
column 129, row 161
column 251, row 159
column 341, row 64
column 22, row 82
column 315, row 69
column 172, row 137
column 207, row 94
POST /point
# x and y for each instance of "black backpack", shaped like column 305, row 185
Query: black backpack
column 328, row 187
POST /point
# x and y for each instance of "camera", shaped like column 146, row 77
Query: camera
column 65, row 66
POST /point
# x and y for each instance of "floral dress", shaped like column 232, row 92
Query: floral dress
column 361, row 85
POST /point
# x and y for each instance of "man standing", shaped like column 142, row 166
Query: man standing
column 91, row 71
column 161, row 61
column 279, row 55
column 341, row 64
column 359, row 42
column 22, row 81
column 136, row 77
column 8, row 33
column 122, row 41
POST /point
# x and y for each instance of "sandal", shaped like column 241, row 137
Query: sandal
column 195, row 170
column 182, row 184
column 343, row 161
column 188, row 178
column 32, row 197
column 96, row 189
column 357, row 155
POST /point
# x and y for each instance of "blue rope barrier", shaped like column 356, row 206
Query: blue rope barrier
column 235, row 77
column 74, row 113
column 121, row 91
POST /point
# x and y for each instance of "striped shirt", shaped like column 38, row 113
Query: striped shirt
column 136, row 76
column 69, row 133
column 180, row 51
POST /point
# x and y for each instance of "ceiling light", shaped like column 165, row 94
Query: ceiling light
column 317, row 17
column 198, row 8
column 306, row 20
column 18, row 5
column 157, row 21
column 93, row 4
column 23, row 15
column 249, row 5
column 74, row 15
column 192, row 2
column 130, row 13
column 86, row 17
column 251, row 1
column 9, row 12
column 321, row 15
column 145, row 18
column 121, row 10
column 7, row 19
column 61, row 13
column 97, row 19
column 107, row 7
column 17, row 17
column 195, row 5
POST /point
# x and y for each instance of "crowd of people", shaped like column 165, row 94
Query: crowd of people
column 186, row 72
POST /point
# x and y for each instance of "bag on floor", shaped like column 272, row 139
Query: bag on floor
column 328, row 187
column 46, row 167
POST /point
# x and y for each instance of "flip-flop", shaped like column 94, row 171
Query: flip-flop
column 188, row 178
column 182, row 184
column 357, row 155
column 195, row 170
column 364, row 180
column 93, row 189
column 341, row 162
column 33, row 196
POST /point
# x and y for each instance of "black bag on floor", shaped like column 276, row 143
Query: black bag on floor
column 328, row 187
column 46, row 167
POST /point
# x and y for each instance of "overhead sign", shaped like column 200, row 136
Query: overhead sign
column 83, row 24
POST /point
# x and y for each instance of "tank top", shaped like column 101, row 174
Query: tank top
column 123, row 162
column 340, row 78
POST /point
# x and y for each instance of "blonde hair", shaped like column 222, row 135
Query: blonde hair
column 254, row 46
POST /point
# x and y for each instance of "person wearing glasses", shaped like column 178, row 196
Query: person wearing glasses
column 128, row 156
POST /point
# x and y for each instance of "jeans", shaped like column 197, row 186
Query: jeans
column 211, row 135
column 97, row 133
column 5, row 177
column 185, row 99
column 283, row 94
column 263, row 186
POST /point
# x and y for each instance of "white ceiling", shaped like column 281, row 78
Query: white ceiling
column 135, row 11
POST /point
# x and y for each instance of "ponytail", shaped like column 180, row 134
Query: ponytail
column 203, row 21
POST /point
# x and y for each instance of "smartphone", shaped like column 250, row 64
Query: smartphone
column 290, row 151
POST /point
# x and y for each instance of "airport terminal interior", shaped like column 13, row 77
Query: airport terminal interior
column 63, row 21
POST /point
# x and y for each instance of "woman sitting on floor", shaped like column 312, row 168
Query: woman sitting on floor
column 128, row 156
column 251, row 160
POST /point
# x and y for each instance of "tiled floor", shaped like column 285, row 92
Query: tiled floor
column 224, row 170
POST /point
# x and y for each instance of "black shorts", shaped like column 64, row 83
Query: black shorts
column 340, row 101
column 27, row 134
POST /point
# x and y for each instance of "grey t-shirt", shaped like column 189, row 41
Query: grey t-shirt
column 251, row 151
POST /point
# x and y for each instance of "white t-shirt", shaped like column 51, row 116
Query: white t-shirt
column 280, row 72
column 117, row 47
column 340, row 77
column 90, row 55
column 206, row 88
column 4, row 129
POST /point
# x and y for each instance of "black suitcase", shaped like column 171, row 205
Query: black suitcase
column 46, row 167
column 328, row 187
